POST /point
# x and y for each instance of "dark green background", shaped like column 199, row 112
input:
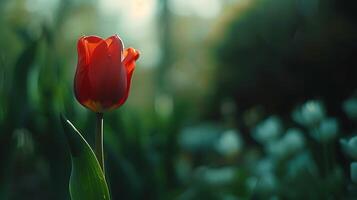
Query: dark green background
column 253, row 60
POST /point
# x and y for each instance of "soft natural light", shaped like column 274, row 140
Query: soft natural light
column 200, row 8
column 135, row 20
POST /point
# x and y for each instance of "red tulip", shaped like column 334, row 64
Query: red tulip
column 104, row 70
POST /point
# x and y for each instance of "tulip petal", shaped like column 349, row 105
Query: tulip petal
column 107, row 75
column 87, row 45
column 115, row 48
column 130, row 56
column 115, row 45
column 82, row 86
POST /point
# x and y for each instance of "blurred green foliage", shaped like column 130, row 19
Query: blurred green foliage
column 248, row 104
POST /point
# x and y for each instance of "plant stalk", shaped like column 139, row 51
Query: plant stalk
column 99, row 150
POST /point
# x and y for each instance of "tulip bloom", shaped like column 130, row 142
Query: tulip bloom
column 104, row 70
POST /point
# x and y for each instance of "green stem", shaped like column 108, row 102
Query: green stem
column 99, row 141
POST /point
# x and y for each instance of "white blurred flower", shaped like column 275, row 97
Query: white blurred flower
column 267, row 182
column 350, row 146
column 199, row 138
column 310, row 113
column 327, row 130
column 216, row 176
column 350, row 108
column 251, row 182
column 301, row 162
column 268, row 130
column 276, row 149
column 229, row 143
column 354, row 172
column 292, row 142
column 264, row 166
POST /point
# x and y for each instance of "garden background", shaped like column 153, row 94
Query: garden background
column 230, row 99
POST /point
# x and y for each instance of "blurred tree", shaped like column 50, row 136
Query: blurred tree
column 281, row 52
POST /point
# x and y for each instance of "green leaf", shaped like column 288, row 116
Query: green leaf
column 87, row 180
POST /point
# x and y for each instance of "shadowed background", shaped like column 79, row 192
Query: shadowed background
column 230, row 99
